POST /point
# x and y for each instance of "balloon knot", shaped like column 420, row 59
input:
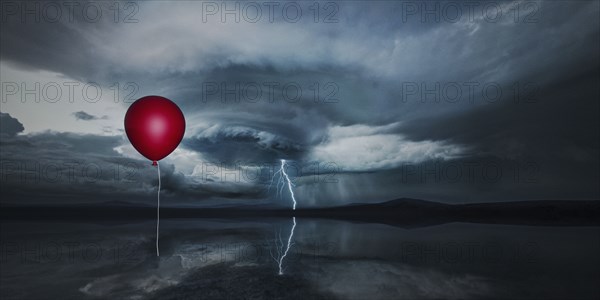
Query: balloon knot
column 154, row 163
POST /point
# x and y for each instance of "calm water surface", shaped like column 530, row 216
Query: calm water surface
column 297, row 259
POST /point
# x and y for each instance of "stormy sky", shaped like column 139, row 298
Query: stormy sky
column 367, row 101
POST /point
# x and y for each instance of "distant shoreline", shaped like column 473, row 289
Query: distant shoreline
column 400, row 212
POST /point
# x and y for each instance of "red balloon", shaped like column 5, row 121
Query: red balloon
column 155, row 126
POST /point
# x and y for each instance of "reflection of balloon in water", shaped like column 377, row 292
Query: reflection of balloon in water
column 155, row 126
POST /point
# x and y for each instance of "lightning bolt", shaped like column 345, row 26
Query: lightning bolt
column 282, row 181
column 289, row 184
column 282, row 253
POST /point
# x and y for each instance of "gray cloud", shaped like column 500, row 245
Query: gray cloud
column 65, row 166
column 9, row 125
column 82, row 115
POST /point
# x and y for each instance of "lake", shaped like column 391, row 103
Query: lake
column 296, row 258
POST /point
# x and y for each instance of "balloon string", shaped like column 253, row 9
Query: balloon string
column 157, row 208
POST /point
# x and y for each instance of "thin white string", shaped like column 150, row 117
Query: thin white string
column 157, row 208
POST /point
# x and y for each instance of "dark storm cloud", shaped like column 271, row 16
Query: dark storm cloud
column 54, row 44
column 9, row 126
column 231, row 144
column 362, row 118
column 65, row 166
column 560, row 122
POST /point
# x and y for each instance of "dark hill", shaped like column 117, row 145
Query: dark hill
column 400, row 212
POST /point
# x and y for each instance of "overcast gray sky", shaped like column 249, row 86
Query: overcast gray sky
column 367, row 101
